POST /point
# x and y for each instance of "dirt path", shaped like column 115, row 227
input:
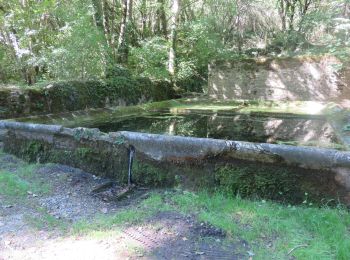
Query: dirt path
column 42, row 226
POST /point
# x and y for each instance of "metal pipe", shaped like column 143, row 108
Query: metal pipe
column 131, row 153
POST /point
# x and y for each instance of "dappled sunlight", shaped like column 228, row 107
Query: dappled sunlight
column 171, row 128
column 313, row 107
column 316, row 79
column 314, row 71
column 273, row 124
column 164, row 235
column 309, row 136
column 238, row 90
column 118, row 246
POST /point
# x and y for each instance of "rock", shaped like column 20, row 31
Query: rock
column 104, row 210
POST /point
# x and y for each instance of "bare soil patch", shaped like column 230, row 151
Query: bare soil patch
column 40, row 226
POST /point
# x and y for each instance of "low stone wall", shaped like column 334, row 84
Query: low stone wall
column 77, row 95
column 278, row 172
column 323, row 78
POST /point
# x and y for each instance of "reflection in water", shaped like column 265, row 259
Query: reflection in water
column 240, row 127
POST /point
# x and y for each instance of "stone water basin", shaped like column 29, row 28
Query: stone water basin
column 235, row 153
column 294, row 123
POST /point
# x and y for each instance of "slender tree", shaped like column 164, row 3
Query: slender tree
column 175, row 10
column 123, row 43
column 161, row 19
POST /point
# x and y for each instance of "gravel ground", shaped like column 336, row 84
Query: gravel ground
column 165, row 235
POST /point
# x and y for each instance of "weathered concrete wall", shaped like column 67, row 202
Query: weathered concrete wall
column 77, row 95
column 247, row 168
column 300, row 78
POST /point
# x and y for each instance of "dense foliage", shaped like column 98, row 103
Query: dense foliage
column 170, row 40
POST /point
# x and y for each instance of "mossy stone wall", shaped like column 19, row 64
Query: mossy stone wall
column 105, row 155
column 77, row 95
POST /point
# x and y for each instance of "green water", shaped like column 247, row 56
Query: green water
column 240, row 127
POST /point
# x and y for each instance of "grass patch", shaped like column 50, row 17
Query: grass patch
column 44, row 220
column 16, row 185
column 18, row 178
column 132, row 215
column 273, row 229
column 12, row 186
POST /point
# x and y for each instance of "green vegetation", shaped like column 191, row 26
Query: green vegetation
column 43, row 220
column 150, row 175
column 268, row 182
column 168, row 40
column 131, row 216
column 270, row 229
column 274, row 229
column 17, row 185
column 12, row 185
column 71, row 55
column 56, row 97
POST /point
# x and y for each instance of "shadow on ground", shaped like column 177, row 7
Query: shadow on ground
column 54, row 215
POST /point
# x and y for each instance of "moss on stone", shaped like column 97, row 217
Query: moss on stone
column 266, row 181
column 150, row 175
column 82, row 153
column 272, row 182
column 29, row 150
column 63, row 96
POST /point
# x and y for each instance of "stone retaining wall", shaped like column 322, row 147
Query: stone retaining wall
column 323, row 78
column 78, row 95
column 278, row 172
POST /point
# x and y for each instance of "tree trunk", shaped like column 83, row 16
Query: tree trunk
column 346, row 12
column 161, row 17
column 282, row 12
column 98, row 13
column 175, row 9
column 143, row 18
column 106, row 28
column 291, row 15
column 123, row 48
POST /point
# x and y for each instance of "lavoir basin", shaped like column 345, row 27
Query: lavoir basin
column 273, row 150
column 303, row 123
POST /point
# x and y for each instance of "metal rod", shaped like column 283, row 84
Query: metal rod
column 131, row 153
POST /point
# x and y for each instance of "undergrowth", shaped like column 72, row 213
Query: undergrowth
column 274, row 229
